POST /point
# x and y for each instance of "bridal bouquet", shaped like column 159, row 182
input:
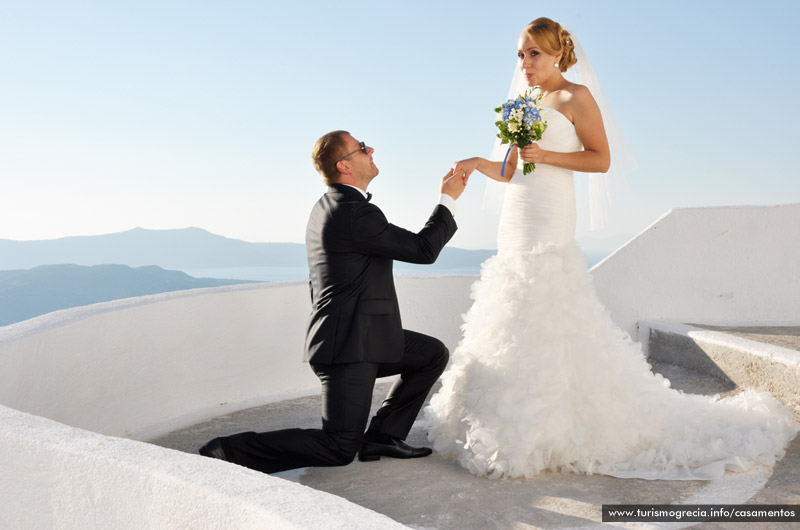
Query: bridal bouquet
column 521, row 122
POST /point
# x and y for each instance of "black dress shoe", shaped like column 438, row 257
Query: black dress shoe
column 213, row 449
column 395, row 448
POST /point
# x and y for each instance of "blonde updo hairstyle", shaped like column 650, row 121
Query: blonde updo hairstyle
column 553, row 39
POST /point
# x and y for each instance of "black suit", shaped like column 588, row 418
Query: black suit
column 355, row 334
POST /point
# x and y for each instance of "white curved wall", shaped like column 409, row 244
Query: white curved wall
column 55, row 476
column 141, row 366
column 124, row 367
column 728, row 265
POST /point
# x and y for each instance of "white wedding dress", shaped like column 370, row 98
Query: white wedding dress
column 544, row 380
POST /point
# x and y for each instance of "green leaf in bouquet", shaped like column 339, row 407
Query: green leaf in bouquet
column 528, row 167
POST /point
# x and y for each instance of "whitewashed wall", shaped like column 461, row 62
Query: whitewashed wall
column 142, row 366
column 56, row 476
column 728, row 265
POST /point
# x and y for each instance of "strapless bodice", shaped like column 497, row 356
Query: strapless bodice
column 539, row 208
column 560, row 135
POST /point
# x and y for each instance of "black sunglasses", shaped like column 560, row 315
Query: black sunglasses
column 362, row 148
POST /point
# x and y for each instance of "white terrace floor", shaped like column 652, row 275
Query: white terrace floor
column 430, row 493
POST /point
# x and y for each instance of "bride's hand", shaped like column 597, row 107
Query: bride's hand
column 466, row 167
column 532, row 153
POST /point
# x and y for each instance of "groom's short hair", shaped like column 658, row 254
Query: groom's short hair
column 326, row 153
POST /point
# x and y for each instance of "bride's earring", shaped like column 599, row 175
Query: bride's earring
column 556, row 65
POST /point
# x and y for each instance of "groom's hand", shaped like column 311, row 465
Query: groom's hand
column 453, row 183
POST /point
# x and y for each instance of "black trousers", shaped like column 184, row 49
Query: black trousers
column 346, row 400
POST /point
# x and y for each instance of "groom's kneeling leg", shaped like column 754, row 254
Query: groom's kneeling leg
column 424, row 360
column 271, row 452
column 346, row 400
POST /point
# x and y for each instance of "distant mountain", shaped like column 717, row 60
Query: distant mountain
column 191, row 248
column 172, row 249
column 140, row 258
column 25, row 294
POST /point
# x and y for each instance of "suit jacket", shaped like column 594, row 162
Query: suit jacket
column 351, row 246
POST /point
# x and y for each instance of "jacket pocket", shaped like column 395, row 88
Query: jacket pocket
column 376, row 307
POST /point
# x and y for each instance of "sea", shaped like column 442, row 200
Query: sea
column 282, row 274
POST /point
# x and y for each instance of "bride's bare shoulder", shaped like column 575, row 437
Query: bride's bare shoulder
column 579, row 100
column 578, row 93
column 571, row 99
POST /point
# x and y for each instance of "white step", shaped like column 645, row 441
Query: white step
column 731, row 355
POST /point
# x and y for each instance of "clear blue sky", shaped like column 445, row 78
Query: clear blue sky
column 166, row 114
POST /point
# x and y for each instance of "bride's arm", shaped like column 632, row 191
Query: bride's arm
column 595, row 157
column 489, row 168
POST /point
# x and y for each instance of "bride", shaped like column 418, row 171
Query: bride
column 542, row 378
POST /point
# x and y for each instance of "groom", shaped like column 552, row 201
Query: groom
column 354, row 332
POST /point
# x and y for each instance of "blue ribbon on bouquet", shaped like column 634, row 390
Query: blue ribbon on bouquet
column 503, row 169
